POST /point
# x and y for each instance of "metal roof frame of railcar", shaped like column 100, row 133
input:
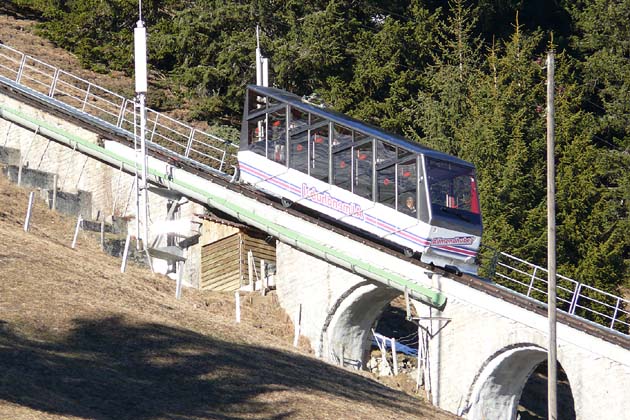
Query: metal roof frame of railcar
column 353, row 123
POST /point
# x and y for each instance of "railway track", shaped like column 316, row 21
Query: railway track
column 106, row 131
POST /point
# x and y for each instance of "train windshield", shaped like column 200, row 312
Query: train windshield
column 453, row 191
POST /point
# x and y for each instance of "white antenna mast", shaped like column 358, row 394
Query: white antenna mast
column 140, row 56
column 259, row 74
column 262, row 63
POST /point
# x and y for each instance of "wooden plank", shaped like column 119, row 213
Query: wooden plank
column 220, row 263
column 222, row 256
column 229, row 287
column 215, row 276
column 225, row 284
column 219, row 280
column 221, row 267
column 220, row 270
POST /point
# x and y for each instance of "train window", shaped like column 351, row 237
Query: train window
column 385, row 153
column 453, row 190
column 403, row 153
column 386, row 185
column 277, row 136
column 256, row 135
column 342, row 157
column 386, row 173
column 298, row 151
column 342, row 137
column 342, row 169
column 298, row 121
column 319, row 153
column 363, row 169
column 407, row 172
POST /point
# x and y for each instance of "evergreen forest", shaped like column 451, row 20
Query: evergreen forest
column 463, row 77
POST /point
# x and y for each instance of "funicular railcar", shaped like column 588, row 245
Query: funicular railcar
column 415, row 197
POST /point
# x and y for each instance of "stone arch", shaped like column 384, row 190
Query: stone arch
column 497, row 388
column 348, row 331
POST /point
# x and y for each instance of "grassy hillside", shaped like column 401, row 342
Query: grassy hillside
column 80, row 340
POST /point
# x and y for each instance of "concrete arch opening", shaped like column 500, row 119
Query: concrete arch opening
column 511, row 377
column 347, row 337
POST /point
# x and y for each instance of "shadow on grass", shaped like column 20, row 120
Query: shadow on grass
column 111, row 368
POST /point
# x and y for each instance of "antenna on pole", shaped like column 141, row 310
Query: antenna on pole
column 140, row 56
column 259, row 78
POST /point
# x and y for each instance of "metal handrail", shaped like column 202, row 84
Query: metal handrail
column 99, row 102
column 583, row 301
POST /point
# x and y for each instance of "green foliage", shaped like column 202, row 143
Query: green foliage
column 462, row 79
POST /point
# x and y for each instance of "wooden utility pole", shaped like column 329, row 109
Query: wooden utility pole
column 551, row 245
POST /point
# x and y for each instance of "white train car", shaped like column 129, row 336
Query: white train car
column 417, row 198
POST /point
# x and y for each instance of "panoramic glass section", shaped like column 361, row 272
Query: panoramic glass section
column 407, row 172
column 386, row 173
column 298, row 140
column 453, row 190
column 277, row 136
column 319, row 153
column 342, row 157
column 256, row 135
column 363, row 155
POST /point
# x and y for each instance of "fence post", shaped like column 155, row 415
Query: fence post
column 237, row 302
column 76, row 232
column 29, row 210
column 180, row 274
column 123, row 265
column 576, row 296
column 54, row 197
column 103, row 233
column 298, row 321
column 263, row 277
column 394, row 356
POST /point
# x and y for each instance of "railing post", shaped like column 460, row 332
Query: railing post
column 21, row 68
column 87, row 95
column 223, row 158
column 155, row 124
column 53, row 85
column 614, row 317
column 576, row 296
column 493, row 263
column 189, row 143
column 121, row 113
column 531, row 283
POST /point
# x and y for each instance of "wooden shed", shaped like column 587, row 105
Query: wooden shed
column 224, row 248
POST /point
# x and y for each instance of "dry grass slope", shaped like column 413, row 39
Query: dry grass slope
column 80, row 340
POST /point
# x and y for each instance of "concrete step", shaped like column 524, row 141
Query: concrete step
column 30, row 177
column 9, row 156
